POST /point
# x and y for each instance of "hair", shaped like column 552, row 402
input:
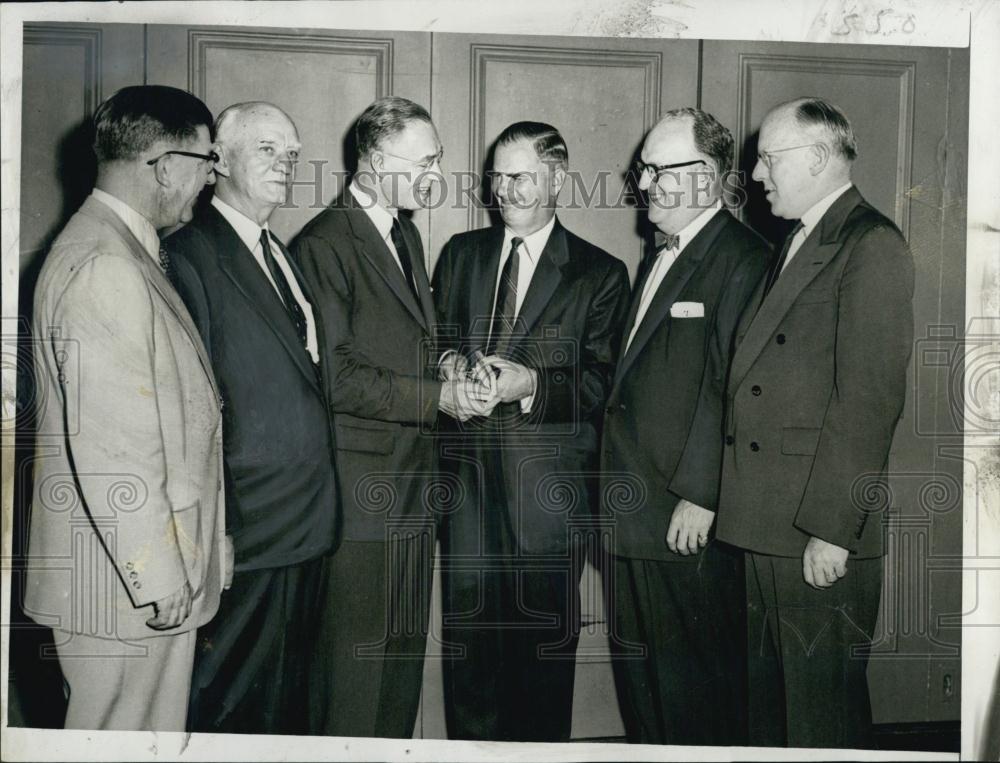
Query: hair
column 224, row 122
column 710, row 137
column 545, row 139
column 815, row 112
column 383, row 119
column 137, row 117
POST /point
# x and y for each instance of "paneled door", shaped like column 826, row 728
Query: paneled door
column 907, row 107
column 324, row 79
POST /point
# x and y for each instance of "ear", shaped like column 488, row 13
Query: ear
column 556, row 179
column 377, row 160
column 820, row 158
column 161, row 171
column 222, row 168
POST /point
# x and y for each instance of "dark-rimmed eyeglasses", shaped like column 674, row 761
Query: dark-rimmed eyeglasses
column 657, row 170
column 211, row 156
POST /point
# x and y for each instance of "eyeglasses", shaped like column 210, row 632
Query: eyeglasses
column 211, row 156
column 766, row 156
column 422, row 164
column 657, row 170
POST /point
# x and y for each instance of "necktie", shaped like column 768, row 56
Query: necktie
column 505, row 309
column 779, row 263
column 284, row 290
column 404, row 256
column 663, row 240
column 167, row 265
column 666, row 253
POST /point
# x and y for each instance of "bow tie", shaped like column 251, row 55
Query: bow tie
column 663, row 241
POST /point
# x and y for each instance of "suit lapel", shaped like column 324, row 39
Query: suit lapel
column 486, row 264
column 815, row 253
column 157, row 279
column 239, row 265
column 373, row 248
column 671, row 287
column 544, row 282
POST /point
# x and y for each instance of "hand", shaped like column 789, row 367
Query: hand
column 171, row 611
column 453, row 365
column 823, row 564
column 515, row 381
column 229, row 562
column 464, row 398
column 688, row 530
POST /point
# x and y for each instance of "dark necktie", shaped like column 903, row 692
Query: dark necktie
column 404, row 256
column 284, row 290
column 779, row 263
column 168, row 266
column 505, row 309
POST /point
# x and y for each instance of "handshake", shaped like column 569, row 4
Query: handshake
column 474, row 389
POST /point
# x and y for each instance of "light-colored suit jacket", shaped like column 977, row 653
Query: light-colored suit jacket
column 128, row 497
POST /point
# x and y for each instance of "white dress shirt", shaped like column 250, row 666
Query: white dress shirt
column 249, row 233
column 381, row 217
column 137, row 224
column 664, row 260
column 810, row 219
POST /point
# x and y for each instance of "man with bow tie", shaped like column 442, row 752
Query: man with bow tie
column 678, row 594
column 535, row 311
column 256, row 316
column 816, row 387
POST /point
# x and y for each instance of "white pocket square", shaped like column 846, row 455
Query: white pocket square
column 687, row 310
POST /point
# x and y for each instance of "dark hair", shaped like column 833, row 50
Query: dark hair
column 385, row 118
column 815, row 112
column 710, row 136
column 136, row 117
column 545, row 139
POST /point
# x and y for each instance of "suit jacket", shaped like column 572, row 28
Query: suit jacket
column 381, row 386
column 568, row 329
column 128, row 499
column 281, row 488
column 816, row 387
column 663, row 430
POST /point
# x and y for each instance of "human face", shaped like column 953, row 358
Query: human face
column 408, row 165
column 677, row 195
column 188, row 175
column 785, row 156
column 258, row 161
column 525, row 187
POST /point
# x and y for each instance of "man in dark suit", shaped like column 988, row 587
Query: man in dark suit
column 126, row 553
column 545, row 308
column 255, row 314
column 677, row 593
column 363, row 259
column 816, row 387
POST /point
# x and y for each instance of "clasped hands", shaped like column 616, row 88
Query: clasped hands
column 475, row 389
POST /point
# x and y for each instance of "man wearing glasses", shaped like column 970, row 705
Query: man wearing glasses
column 536, row 312
column 126, row 553
column 256, row 316
column 677, row 592
column 363, row 259
column 816, row 388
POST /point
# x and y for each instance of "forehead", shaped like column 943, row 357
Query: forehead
column 202, row 138
column 778, row 129
column 270, row 126
column 670, row 141
column 417, row 139
column 519, row 156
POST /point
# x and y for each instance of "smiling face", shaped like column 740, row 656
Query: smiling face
column 259, row 152
column 525, row 187
column 787, row 165
column 408, row 165
column 677, row 196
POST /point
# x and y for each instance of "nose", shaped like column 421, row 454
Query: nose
column 759, row 171
column 644, row 181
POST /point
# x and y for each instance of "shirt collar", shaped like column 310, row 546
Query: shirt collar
column 246, row 229
column 693, row 228
column 534, row 243
column 379, row 215
column 813, row 215
column 137, row 224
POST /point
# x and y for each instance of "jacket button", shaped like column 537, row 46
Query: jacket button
column 729, row 439
column 754, row 447
column 780, row 339
column 756, row 390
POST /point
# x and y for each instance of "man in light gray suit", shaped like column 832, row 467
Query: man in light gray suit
column 127, row 555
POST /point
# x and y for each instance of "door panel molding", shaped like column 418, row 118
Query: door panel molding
column 87, row 38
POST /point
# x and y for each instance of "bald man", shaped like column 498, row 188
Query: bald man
column 816, row 387
column 255, row 315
